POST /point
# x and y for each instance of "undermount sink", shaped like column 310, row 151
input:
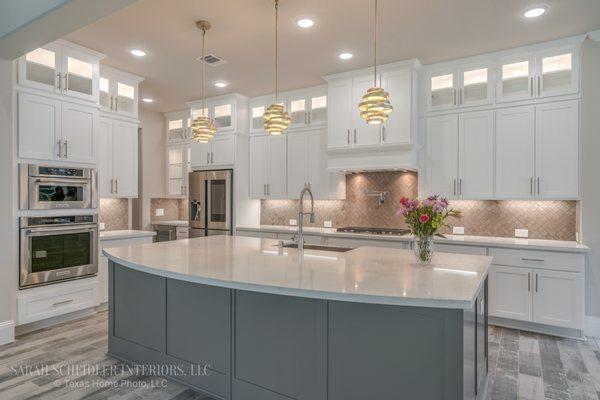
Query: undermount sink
column 318, row 247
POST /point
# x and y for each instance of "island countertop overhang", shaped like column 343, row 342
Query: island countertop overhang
column 366, row 274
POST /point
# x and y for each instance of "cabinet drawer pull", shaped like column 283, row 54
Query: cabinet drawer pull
column 539, row 85
column 533, row 259
column 455, row 187
column 529, row 281
column 60, row 303
column 354, row 135
column 536, row 283
column 60, row 149
column 111, row 103
column 59, row 86
column 531, row 186
column 531, row 84
column 538, row 186
column 348, row 136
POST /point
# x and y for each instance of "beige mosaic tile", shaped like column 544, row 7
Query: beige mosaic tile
column 544, row 219
column 114, row 213
column 174, row 209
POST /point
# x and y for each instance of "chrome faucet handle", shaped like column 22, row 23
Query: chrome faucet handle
column 312, row 218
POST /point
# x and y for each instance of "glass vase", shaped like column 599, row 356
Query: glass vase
column 423, row 249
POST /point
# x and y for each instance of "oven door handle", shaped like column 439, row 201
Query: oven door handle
column 54, row 230
column 69, row 181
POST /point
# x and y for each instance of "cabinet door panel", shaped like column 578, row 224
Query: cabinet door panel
column 200, row 154
column 363, row 134
column 321, row 181
column 515, row 150
column 441, row 89
column 39, row 127
column 516, row 79
column 223, row 150
column 81, row 74
column 558, row 72
column 510, row 292
column 176, row 170
column 557, row 150
column 558, row 298
column 105, row 157
column 398, row 84
column 125, row 158
column 40, row 68
column 297, row 162
column 476, row 155
column 339, row 114
column 442, row 154
column 79, row 132
column 476, row 87
column 259, row 166
column 276, row 185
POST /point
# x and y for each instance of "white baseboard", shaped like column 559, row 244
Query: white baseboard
column 7, row 332
column 592, row 326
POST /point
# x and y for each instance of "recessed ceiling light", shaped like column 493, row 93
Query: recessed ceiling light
column 138, row 53
column 345, row 56
column 535, row 12
column 147, row 100
column 305, row 22
column 220, row 84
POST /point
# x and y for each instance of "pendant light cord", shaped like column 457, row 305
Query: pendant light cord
column 276, row 45
column 375, row 60
column 203, row 71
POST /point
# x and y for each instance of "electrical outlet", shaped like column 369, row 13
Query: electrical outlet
column 327, row 224
column 522, row 233
column 293, row 222
column 159, row 212
column 101, row 226
column 458, row 230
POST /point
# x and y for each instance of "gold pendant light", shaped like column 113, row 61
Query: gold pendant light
column 375, row 106
column 203, row 128
column 275, row 118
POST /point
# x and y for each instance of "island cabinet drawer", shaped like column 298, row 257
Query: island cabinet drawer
column 538, row 259
column 460, row 249
column 46, row 304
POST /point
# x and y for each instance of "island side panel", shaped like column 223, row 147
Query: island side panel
column 389, row 352
column 280, row 347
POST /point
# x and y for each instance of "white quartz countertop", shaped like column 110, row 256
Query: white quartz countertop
column 124, row 234
column 484, row 241
column 174, row 222
column 366, row 274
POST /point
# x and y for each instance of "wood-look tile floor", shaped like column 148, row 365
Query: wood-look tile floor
column 523, row 365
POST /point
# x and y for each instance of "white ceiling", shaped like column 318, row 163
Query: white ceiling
column 242, row 34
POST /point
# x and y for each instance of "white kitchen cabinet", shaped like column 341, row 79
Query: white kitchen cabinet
column 307, row 108
column 547, row 73
column 229, row 112
column 306, row 165
column 460, row 249
column 119, row 92
column 219, row 152
column 339, row 113
column 558, row 298
column 441, row 89
column 476, row 155
column 178, row 127
column 557, row 150
column 442, row 155
column 51, row 129
column 510, row 292
column 362, row 133
column 268, row 167
column 117, row 171
column 178, row 167
column 62, row 68
column 398, row 128
column 515, row 146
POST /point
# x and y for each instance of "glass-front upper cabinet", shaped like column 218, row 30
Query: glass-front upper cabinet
column 256, row 118
column 298, row 112
column 178, row 167
column 558, row 72
column 516, row 79
column 442, row 90
column 63, row 68
column 178, row 126
column 307, row 108
column 318, row 110
column 222, row 114
column 475, row 88
column 125, row 99
column 106, row 101
column 118, row 91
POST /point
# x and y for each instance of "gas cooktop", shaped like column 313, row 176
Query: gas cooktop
column 375, row 231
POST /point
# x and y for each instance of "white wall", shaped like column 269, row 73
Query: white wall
column 8, row 233
column 590, row 174
column 152, row 152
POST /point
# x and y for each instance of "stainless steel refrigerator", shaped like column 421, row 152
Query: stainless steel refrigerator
column 210, row 203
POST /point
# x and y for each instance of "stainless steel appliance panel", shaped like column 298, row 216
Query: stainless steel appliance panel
column 197, row 199
column 57, row 248
column 217, row 232
column 218, row 197
column 194, row 233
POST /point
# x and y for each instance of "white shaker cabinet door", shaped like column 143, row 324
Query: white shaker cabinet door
column 276, row 185
column 223, row 150
column 558, row 298
column 510, row 292
column 557, row 150
column 105, row 178
column 442, row 155
column 39, row 127
column 362, row 134
column 397, row 129
column 476, row 155
column 297, row 162
column 259, row 167
column 79, row 132
column 515, row 149
column 125, row 158
column 339, row 114
column 200, row 154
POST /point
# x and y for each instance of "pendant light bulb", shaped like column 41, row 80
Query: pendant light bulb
column 375, row 106
column 203, row 127
column 275, row 118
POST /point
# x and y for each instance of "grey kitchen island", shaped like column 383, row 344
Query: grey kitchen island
column 241, row 318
